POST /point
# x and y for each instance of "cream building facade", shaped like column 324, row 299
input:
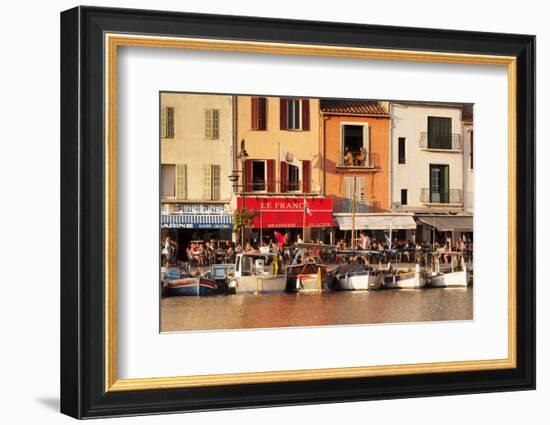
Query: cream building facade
column 196, row 141
column 468, row 132
column 196, row 159
column 430, row 172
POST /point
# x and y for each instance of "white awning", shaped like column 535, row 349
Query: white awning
column 449, row 223
column 376, row 222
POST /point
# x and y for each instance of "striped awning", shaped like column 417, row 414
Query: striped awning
column 197, row 221
column 376, row 222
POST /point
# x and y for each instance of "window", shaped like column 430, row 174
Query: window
column 168, row 181
column 173, row 183
column 212, row 124
column 471, row 149
column 259, row 113
column 439, row 133
column 294, row 114
column 439, row 184
column 167, row 123
column 404, row 197
column 258, row 176
column 293, row 180
column 401, row 150
column 211, row 182
column 355, row 146
column 349, row 198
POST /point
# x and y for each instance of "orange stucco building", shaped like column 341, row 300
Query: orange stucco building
column 357, row 155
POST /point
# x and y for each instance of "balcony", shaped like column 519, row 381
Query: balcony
column 354, row 160
column 344, row 205
column 451, row 197
column 260, row 185
column 441, row 143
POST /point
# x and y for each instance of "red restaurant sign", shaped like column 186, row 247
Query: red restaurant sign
column 289, row 212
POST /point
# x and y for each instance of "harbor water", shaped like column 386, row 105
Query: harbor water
column 315, row 309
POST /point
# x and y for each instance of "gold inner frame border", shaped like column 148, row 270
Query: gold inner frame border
column 113, row 40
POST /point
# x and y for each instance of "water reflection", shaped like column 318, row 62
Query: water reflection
column 332, row 308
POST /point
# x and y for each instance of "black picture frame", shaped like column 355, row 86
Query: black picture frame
column 83, row 392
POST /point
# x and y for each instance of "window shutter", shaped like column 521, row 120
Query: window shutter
column 215, row 124
column 360, row 194
column 206, row 182
column 163, row 122
column 248, row 175
column 305, row 115
column 306, row 176
column 262, row 113
column 208, row 124
column 255, row 104
column 170, row 125
column 216, row 182
column 271, row 175
column 181, row 181
column 283, row 111
column 348, row 194
column 284, row 176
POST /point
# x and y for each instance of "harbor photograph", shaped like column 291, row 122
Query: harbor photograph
column 280, row 212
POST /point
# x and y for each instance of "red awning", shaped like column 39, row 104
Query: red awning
column 289, row 212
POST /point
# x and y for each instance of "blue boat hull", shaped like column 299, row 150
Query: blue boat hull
column 202, row 288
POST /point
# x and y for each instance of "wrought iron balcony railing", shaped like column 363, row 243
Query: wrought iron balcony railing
column 450, row 142
column 344, row 205
column 450, row 196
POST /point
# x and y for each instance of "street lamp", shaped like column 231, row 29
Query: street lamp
column 234, row 177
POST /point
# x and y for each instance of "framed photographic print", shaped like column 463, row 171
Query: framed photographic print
column 261, row 212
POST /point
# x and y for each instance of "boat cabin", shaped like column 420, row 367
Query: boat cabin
column 257, row 264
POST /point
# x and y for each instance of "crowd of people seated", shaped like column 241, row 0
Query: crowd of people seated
column 203, row 254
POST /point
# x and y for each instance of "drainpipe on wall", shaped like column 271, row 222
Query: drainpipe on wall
column 323, row 150
column 390, row 170
column 235, row 132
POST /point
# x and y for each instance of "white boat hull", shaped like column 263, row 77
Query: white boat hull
column 404, row 280
column 260, row 284
column 450, row 280
column 358, row 282
column 309, row 283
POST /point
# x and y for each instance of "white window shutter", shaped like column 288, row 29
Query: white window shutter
column 206, row 182
column 360, row 194
column 348, row 188
column 181, row 181
column 366, row 137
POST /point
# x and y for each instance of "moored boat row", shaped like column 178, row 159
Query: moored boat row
column 264, row 273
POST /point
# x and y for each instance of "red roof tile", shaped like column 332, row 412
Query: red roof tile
column 359, row 107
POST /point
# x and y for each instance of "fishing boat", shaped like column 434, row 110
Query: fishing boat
column 307, row 272
column 257, row 273
column 191, row 286
column 357, row 274
column 357, row 277
column 457, row 277
column 404, row 278
column 308, row 277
